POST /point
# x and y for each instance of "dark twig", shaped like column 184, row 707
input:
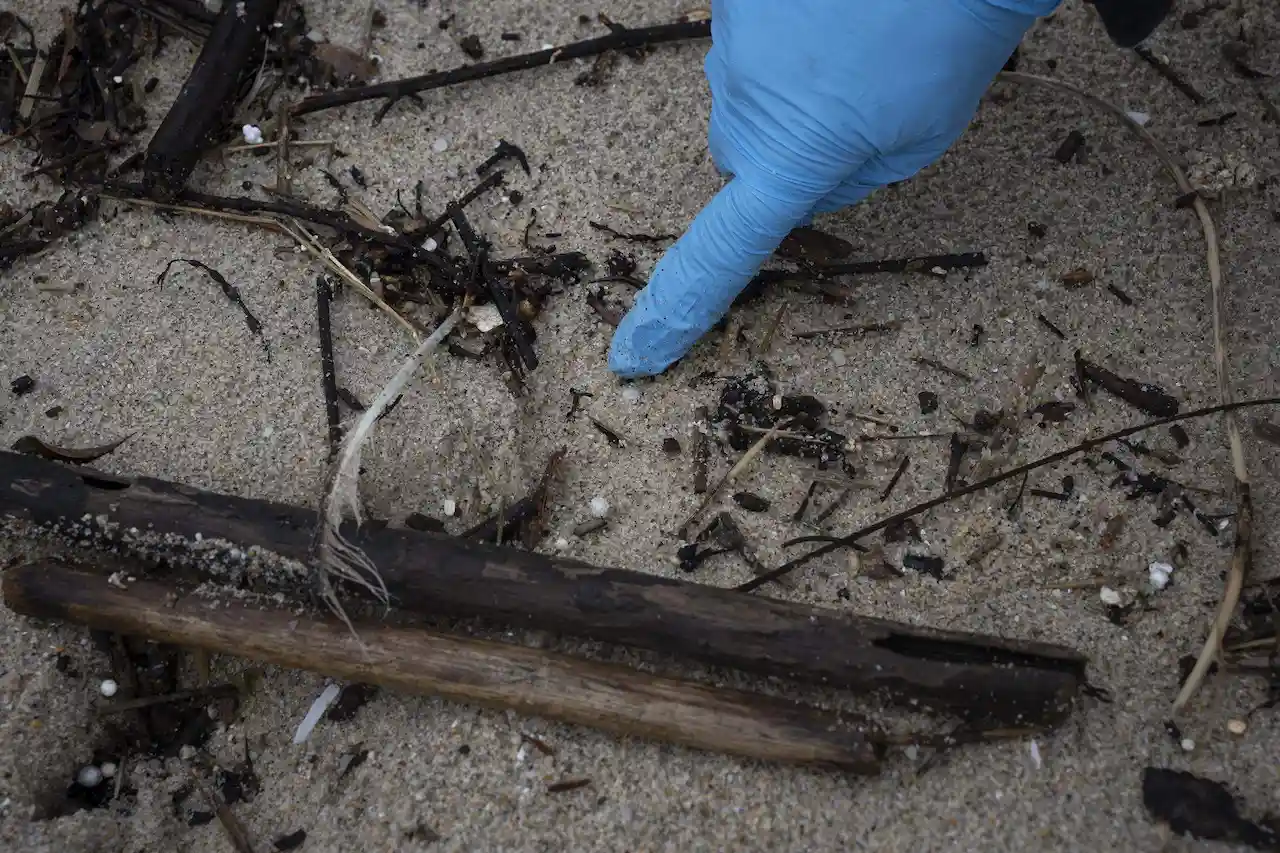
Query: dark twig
column 1166, row 71
column 231, row 291
column 932, row 264
column 897, row 475
column 798, row 515
column 328, row 376
column 866, row 329
column 1048, row 324
column 330, row 219
column 833, row 543
column 937, row 365
column 629, row 237
column 73, row 159
column 489, row 181
column 618, row 40
column 701, row 449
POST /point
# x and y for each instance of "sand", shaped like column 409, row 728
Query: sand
column 175, row 368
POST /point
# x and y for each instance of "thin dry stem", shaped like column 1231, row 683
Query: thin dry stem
column 752, row 452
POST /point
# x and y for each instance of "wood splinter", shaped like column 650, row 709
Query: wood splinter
column 609, row 697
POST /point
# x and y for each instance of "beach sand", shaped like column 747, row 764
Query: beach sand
column 175, row 368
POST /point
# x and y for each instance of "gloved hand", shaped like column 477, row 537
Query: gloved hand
column 815, row 104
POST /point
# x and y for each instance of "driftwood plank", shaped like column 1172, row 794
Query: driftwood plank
column 982, row 678
column 532, row 681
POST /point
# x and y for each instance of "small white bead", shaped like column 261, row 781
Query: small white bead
column 108, row 688
column 1188, row 745
column 108, row 769
column 599, row 507
column 89, row 776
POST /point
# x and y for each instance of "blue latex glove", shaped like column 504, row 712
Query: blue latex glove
column 815, row 104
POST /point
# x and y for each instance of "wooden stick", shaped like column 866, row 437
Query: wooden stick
column 850, row 539
column 531, row 681
column 979, row 677
column 396, row 89
column 232, row 48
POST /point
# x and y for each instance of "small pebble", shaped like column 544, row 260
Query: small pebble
column 187, row 753
column 440, row 145
column 1237, row 727
column 430, row 245
column 89, row 776
column 631, row 394
column 450, row 507
column 108, row 688
column 599, row 507
column 838, row 358
column 1138, row 117
column 108, row 769
column 252, row 134
column 1188, row 745
column 1109, row 596
column 671, row 446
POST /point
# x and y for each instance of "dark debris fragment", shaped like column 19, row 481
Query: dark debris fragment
column 292, row 841
column 1202, row 808
column 21, row 385
column 350, row 699
column 925, row 564
column 1149, row 398
column 471, row 46
column 751, row 502
column 1072, row 148
column 749, row 404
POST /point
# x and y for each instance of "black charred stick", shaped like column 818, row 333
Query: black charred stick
column 502, row 151
column 395, row 89
column 1048, row 324
column 959, row 447
column 920, row 263
column 1125, row 299
column 512, row 322
column 937, row 365
column 1151, row 399
column 630, row 237
column 316, row 215
column 1166, row 71
column 230, row 54
column 490, row 181
column 798, row 516
column 701, row 449
column 897, row 475
column 328, row 377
